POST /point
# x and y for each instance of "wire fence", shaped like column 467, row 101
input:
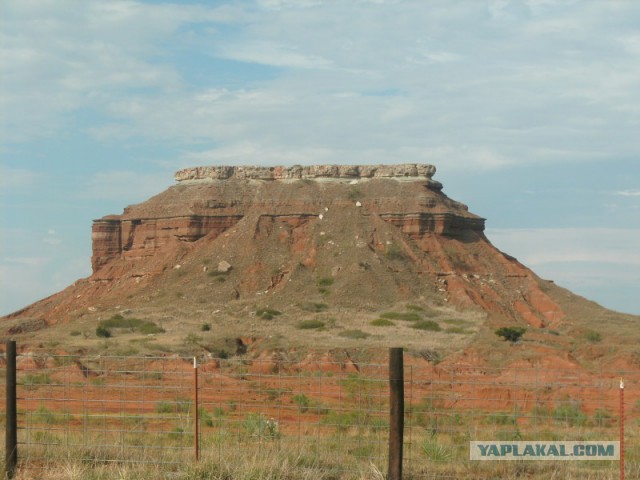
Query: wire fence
column 329, row 416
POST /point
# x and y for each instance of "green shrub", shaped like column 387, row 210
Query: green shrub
column 103, row 332
column 457, row 330
column 164, row 407
column 501, row 419
column 325, row 281
column 355, row 334
column 381, row 322
column 429, row 325
column 570, row 414
column 416, row 308
column 314, row 307
column 406, row 316
column 192, row 339
column 219, row 352
column 180, row 405
column 393, row 252
column 309, row 324
column 511, row 334
column 149, row 328
column 75, row 333
column 131, row 324
column 603, row 418
column 205, row 327
column 436, row 452
column 31, row 379
column 455, row 321
column 302, row 401
column 118, row 321
column 257, row 425
column 592, row 336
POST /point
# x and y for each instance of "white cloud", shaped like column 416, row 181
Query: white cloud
column 269, row 53
column 569, row 245
column 18, row 178
column 24, row 261
column 529, row 83
column 628, row 193
column 117, row 185
column 52, row 238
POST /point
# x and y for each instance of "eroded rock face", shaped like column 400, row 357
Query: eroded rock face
column 217, row 197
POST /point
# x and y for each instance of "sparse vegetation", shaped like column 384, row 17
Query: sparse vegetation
column 393, row 252
column 102, row 332
column 31, row 379
column 354, row 334
column 511, row 334
column 457, row 330
column 314, row 307
column 455, row 321
column 436, row 452
column 354, row 194
column 405, row 316
column 205, row 327
column 267, row 313
column 181, row 405
column 257, row 425
column 192, row 339
column 325, row 281
column 302, row 401
column 570, row 414
column 382, row 322
column 309, row 324
column 431, row 356
column 429, row 325
column 131, row 324
column 592, row 336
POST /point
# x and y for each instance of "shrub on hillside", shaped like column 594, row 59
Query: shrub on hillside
column 512, row 334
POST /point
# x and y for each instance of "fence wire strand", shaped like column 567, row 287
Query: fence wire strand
column 140, row 410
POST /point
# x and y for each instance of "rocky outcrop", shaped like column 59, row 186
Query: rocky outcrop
column 298, row 172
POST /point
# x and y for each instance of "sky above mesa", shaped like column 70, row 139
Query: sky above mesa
column 529, row 109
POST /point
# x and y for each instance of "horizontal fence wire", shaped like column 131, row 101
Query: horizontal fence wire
column 323, row 415
column 454, row 405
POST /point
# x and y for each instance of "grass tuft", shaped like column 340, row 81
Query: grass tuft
column 429, row 325
column 309, row 324
column 405, row 316
column 382, row 322
column 355, row 334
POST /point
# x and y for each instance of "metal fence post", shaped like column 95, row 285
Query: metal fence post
column 11, row 439
column 196, row 420
column 621, row 429
column 396, row 418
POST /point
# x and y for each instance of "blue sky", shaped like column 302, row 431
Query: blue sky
column 529, row 109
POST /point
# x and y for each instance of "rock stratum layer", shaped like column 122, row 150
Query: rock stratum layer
column 365, row 238
column 297, row 172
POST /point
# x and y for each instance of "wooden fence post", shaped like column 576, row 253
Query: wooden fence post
column 396, row 418
column 11, row 439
